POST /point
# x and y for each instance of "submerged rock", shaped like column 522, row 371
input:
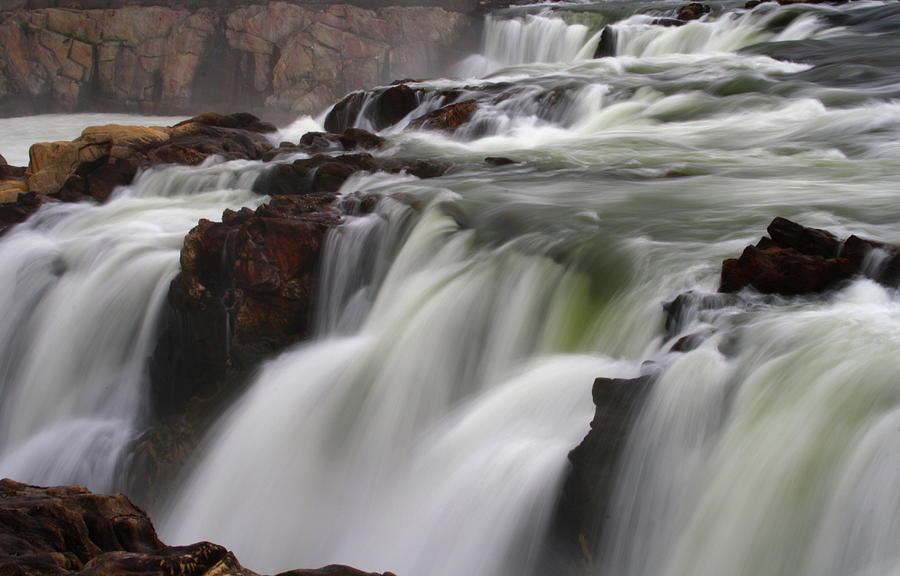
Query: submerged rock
column 795, row 259
column 69, row 530
column 586, row 496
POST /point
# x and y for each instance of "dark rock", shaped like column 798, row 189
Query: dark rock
column 447, row 118
column 692, row 11
column 13, row 213
column 668, row 22
column 238, row 120
column 323, row 173
column 354, row 138
column 607, row 45
column 586, row 497
column 68, row 530
column 499, row 161
column 800, row 260
column 345, row 113
column 321, row 141
column 393, row 105
column 246, row 289
column 684, row 308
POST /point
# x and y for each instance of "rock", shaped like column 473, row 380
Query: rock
column 324, row 173
column 393, row 105
column 354, row 139
column 246, row 290
column 105, row 157
column 800, row 260
column 607, row 45
column 345, row 113
column 499, row 161
column 68, row 530
column 692, row 11
column 447, row 118
column 19, row 210
column 587, row 490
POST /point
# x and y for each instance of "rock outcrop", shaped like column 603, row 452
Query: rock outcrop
column 585, row 502
column 104, row 157
column 175, row 57
column 68, row 530
column 795, row 259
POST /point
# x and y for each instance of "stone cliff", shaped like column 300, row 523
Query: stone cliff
column 171, row 56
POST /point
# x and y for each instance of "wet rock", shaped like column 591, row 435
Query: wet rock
column 607, row 45
column 681, row 311
column 586, row 497
column 324, row 173
column 795, row 259
column 448, row 117
column 12, row 213
column 67, row 530
column 105, row 157
column 668, row 22
column 355, row 138
column 499, row 161
column 393, row 105
column 385, row 109
column 692, row 11
column 246, row 290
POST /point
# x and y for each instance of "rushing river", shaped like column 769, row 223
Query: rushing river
column 425, row 429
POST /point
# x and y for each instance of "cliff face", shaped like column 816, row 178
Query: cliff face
column 281, row 56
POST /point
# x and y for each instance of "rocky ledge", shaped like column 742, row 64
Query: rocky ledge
column 795, row 259
column 68, row 530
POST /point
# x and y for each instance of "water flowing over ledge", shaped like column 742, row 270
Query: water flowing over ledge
column 425, row 426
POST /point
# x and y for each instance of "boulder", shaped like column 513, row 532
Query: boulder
column 584, row 504
column 692, row 11
column 19, row 210
column 795, row 259
column 68, row 530
column 105, row 157
column 318, row 142
column 449, row 117
column 382, row 109
column 246, row 290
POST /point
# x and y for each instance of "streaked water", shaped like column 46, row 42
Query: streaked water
column 426, row 427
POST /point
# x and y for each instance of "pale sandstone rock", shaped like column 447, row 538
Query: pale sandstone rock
column 10, row 190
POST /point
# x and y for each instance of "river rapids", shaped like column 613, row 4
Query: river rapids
column 425, row 428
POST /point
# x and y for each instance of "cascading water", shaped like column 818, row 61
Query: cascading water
column 425, row 429
column 84, row 285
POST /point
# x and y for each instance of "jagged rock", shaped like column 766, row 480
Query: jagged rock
column 246, row 289
column 323, row 173
column 105, row 157
column 800, row 260
column 447, row 118
column 692, row 11
column 585, row 501
column 67, row 530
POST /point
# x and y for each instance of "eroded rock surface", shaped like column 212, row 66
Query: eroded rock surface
column 68, row 530
column 177, row 56
column 795, row 259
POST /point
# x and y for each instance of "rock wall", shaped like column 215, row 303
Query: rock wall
column 283, row 57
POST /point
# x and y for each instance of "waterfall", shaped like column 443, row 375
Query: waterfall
column 460, row 323
column 83, row 289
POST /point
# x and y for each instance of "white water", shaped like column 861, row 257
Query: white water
column 83, row 286
column 425, row 430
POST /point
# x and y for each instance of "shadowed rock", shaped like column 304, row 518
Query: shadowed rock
column 68, row 530
column 692, row 11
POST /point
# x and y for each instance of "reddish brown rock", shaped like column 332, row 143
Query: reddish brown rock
column 692, row 11
column 68, row 530
column 447, row 118
column 795, row 259
column 246, row 289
